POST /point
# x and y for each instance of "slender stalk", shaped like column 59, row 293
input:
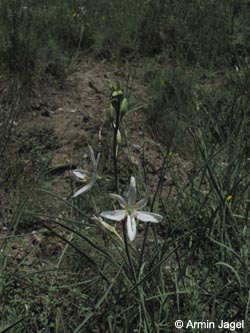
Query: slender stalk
column 115, row 129
column 127, row 252
column 144, row 310
column 115, row 159
column 151, row 209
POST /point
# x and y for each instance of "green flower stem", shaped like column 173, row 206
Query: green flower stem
column 151, row 209
column 127, row 252
column 116, row 128
column 115, row 159
column 144, row 310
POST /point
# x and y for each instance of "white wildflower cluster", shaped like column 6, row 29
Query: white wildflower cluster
column 131, row 209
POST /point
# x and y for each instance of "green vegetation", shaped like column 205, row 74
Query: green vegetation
column 184, row 68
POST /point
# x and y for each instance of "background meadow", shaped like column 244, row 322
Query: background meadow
column 184, row 69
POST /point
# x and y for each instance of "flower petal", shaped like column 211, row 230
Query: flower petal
column 132, row 191
column 114, row 215
column 142, row 203
column 148, row 217
column 131, row 227
column 84, row 189
column 92, row 155
column 81, row 174
column 121, row 200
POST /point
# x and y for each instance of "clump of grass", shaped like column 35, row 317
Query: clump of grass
column 195, row 264
column 39, row 41
column 170, row 111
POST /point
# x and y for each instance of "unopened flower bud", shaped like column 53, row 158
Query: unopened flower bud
column 111, row 113
column 118, row 137
column 116, row 93
column 124, row 107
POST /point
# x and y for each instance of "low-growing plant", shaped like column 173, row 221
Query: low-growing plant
column 189, row 261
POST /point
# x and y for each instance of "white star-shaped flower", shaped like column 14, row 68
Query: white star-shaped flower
column 85, row 176
column 131, row 210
